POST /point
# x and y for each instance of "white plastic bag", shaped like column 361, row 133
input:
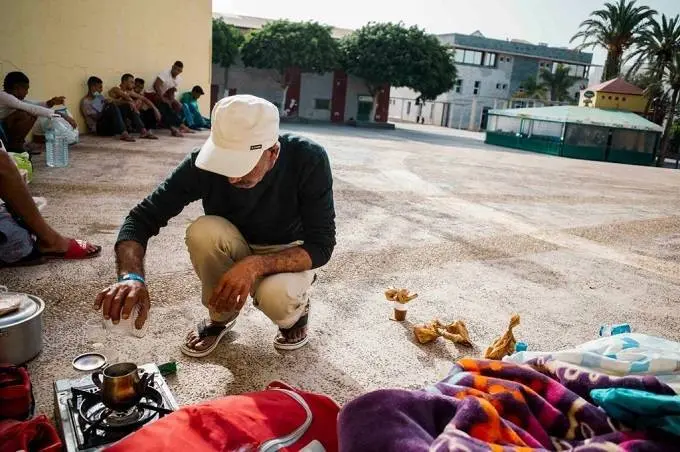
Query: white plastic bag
column 61, row 127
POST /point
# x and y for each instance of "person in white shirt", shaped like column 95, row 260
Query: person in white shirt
column 162, row 94
column 18, row 116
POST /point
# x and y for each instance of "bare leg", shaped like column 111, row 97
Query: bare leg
column 15, row 194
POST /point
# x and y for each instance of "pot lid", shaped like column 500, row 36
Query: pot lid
column 18, row 307
column 89, row 362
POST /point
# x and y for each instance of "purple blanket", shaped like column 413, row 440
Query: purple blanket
column 491, row 405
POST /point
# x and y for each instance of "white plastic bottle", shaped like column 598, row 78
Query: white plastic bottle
column 56, row 146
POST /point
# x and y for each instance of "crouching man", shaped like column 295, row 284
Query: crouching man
column 269, row 222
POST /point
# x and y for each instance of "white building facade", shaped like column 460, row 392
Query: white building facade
column 489, row 73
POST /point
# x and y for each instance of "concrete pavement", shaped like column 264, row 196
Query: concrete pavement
column 479, row 232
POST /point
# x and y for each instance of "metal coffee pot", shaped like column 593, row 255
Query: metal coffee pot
column 122, row 385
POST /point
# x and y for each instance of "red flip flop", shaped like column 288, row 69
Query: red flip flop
column 77, row 249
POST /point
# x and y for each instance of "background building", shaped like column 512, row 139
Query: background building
column 489, row 74
column 615, row 94
column 333, row 96
column 59, row 44
column 576, row 132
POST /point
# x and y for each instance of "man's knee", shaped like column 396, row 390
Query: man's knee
column 283, row 297
column 20, row 118
column 212, row 232
column 274, row 298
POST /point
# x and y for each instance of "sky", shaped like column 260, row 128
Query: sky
column 550, row 21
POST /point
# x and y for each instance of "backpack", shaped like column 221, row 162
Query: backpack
column 278, row 418
column 16, row 394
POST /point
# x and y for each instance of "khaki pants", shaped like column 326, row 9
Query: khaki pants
column 215, row 245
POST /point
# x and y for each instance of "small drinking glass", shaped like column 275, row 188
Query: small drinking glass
column 94, row 333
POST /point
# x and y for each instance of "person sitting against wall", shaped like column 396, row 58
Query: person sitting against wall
column 103, row 117
column 162, row 94
column 148, row 114
column 129, row 102
column 17, row 116
column 192, row 115
column 25, row 237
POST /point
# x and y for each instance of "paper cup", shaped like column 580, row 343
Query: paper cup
column 400, row 310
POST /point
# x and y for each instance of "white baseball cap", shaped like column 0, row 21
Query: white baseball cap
column 243, row 127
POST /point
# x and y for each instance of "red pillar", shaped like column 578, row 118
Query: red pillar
column 339, row 96
column 293, row 77
column 383, row 101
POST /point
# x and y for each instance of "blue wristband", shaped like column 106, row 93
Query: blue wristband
column 131, row 277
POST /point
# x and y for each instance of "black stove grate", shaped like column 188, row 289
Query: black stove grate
column 96, row 425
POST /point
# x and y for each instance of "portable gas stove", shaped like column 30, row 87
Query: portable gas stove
column 87, row 425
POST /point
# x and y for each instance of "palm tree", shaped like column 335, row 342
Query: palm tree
column 558, row 83
column 659, row 43
column 530, row 88
column 617, row 27
column 657, row 46
column 672, row 80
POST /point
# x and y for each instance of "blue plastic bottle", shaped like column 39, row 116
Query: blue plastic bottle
column 521, row 347
column 56, row 147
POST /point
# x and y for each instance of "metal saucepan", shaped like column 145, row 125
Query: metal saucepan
column 122, row 385
column 20, row 329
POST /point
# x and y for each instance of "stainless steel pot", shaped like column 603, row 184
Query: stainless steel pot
column 21, row 330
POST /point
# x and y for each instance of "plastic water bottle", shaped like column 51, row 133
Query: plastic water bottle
column 611, row 330
column 56, row 145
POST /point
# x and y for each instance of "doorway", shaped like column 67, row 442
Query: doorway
column 485, row 118
column 364, row 108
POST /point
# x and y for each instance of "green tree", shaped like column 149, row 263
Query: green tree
column 282, row 45
column 435, row 72
column 617, row 28
column 657, row 46
column 654, row 91
column 558, row 83
column 530, row 88
column 659, row 43
column 226, row 41
column 672, row 81
column 392, row 54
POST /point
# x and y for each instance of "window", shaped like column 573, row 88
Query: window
column 623, row 99
column 458, row 87
column 508, row 59
column 322, row 104
column 498, row 86
column 576, row 96
column 575, row 70
column 475, row 57
column 408, row 108
column 490, row 59
column 476, row 88
column 610, row 97
column 602, row 97
column 505, row 86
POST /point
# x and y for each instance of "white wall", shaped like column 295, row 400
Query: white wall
column 355, row 88
column 258, row 82
column 312, row 87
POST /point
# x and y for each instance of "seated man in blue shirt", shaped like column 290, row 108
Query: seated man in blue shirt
column 269, row 222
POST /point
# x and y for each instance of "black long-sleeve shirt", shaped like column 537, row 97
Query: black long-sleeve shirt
column 294, row 201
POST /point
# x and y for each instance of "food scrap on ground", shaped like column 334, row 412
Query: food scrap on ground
column 400, row 297
column 455, row 332
column 504, row 345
